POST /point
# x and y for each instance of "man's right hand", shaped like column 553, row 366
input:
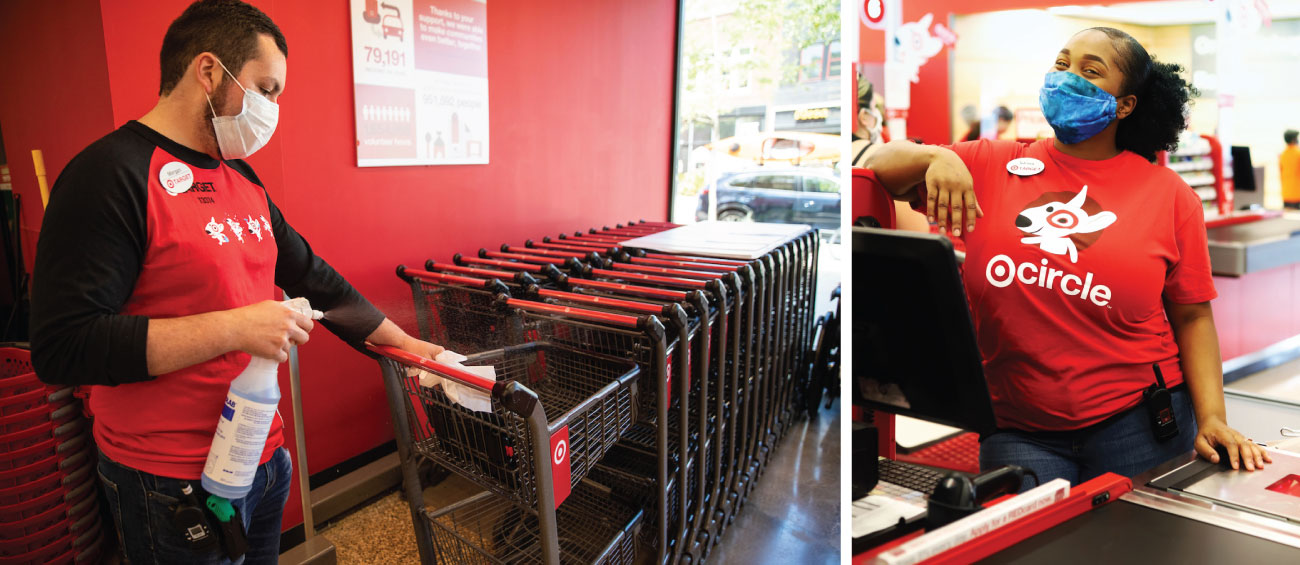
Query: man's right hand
column 267, row 329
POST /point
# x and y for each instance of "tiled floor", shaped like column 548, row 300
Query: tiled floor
column 791, row 517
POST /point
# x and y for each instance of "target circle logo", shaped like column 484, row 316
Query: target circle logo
column 872, row 14
column 1063, row 219
column 561, row 451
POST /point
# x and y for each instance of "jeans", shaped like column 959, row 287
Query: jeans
column 1124, row 445
column 142, row 506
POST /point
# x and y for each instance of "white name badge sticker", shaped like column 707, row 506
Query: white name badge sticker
column 175, row 178
column 1025, row 166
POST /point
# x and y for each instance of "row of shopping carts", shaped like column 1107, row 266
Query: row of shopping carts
column 49, row 510
column 638, row 395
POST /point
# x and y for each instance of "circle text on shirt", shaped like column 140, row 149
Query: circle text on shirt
column 1002, row 271
column 1025, row 166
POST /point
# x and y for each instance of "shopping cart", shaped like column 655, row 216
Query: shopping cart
column 578, row 366
column 681, row 329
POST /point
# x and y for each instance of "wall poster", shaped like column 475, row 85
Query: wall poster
column 419, row 74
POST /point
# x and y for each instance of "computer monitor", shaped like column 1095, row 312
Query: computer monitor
column 1243, row 171
column 914, row 348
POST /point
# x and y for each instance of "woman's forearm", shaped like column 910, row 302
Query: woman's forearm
column 901, row 164
column 1198, row 349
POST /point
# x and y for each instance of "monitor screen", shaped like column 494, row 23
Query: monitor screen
column 914, row 348
column 1243, row 171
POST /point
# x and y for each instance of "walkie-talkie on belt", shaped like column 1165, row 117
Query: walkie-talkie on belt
column 191, row 521
column 1160, row 407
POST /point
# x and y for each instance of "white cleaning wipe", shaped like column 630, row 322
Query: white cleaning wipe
column 469, row 397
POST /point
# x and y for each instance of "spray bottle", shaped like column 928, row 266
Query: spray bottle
column 245, row 421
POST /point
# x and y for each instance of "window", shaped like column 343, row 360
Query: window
column 774, row 182
column 833, row 59
column 819, row 184
column 811, row 63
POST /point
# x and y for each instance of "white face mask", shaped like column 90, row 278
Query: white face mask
column 243, row 134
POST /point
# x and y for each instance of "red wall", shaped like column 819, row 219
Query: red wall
column 930, row 115
column 581, row 111
column 54, row 96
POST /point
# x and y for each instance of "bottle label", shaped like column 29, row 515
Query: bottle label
column 240, row 439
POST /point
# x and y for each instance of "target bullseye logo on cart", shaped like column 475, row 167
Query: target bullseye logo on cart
column 175, row 177
column 561, row 450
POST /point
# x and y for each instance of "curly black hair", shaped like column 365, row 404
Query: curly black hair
column 1162, row 98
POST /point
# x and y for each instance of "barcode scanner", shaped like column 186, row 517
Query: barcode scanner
column 959, row 495
column 1160, row 408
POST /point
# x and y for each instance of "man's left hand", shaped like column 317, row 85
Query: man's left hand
column 421, row 348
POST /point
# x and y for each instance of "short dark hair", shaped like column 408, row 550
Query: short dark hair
column 1290, row 136
column 1003, row 113
column 228, row 29
column 1162, row 93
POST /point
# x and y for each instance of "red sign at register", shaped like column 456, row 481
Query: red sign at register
column 1289, row 484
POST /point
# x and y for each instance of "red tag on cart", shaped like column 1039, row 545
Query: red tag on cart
column 668, row 368
column 560, row 476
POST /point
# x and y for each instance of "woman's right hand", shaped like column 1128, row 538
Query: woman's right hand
column 950, row 194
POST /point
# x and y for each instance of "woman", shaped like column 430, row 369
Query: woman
column 1090, row 270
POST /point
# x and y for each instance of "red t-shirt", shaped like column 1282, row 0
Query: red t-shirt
column 1067, row 288
column 212, row 239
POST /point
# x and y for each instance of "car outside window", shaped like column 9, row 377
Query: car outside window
column 776, row 182
column 818, row 184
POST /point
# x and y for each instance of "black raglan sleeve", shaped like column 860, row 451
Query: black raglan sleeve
column 301, row 272
column 89, row 255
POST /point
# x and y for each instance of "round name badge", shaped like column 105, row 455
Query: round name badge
column 1025, row 166
column 175, row 177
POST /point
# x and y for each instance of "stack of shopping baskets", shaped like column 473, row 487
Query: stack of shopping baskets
column 48, row 506
column 638, row 395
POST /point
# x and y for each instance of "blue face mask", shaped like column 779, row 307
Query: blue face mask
column 1075, row 108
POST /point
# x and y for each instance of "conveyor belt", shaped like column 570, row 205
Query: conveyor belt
column 1255, row 246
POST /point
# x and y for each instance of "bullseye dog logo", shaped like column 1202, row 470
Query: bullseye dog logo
column 1060, row 223
column 1058, row 227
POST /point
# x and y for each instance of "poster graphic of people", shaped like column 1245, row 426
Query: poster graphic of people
column 419, row 73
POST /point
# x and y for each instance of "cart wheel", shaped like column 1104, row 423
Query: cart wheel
column 432, row 473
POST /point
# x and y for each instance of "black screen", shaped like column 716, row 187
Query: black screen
column 914, row 348
column 1243, row 173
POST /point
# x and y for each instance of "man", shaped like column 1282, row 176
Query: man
column 155, row 281
column 1289, row 163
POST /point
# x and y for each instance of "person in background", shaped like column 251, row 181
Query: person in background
column 1004, row 117
column 868, row 135
column 867, row 123
column 1068, row 361
column 1289, row 163
column 155, row 283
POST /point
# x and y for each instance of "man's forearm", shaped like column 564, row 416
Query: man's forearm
column 388, row 334
column 177, row 343
column 1198, row 348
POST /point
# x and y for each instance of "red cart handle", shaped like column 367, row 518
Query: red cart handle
column 404, row 272
column 664, row 271
column 674, row 295
column 498, row 263
column 684, row 264
column 643, row 307
column 507, row 248
column 694, row 259
column 686, row 283
column 517, row 276
column 520, row 257
column 579, row 313
column 444, row 371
